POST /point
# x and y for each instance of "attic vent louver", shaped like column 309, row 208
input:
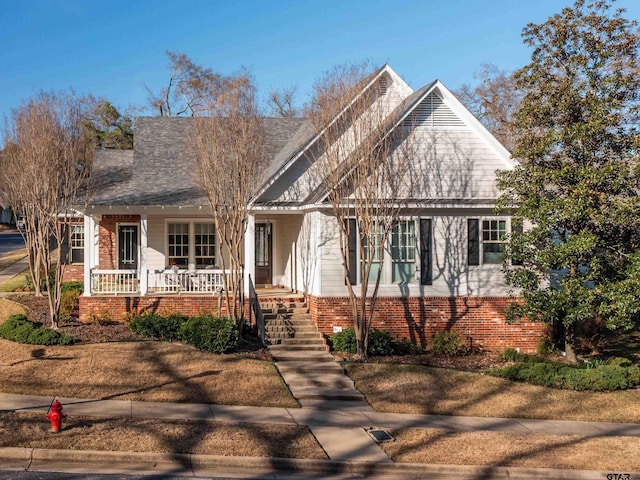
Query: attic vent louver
column 383, row 85
column 432, row 112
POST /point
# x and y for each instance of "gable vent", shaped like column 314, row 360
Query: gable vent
column 432, row 112
column 383, row 85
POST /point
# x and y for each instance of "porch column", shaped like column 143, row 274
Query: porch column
column 143, row 255
column 89, row 255
column 250, row 252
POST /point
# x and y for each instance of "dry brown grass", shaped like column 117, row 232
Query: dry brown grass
column 8, row 308
column 614, row 454
column 168, row 436
column 427, row 390
column 152, row 371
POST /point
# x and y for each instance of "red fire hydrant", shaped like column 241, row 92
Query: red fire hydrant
column 55, row 415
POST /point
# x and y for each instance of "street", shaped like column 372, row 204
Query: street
column 10, row 242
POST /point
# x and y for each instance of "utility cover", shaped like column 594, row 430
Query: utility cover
column 380, row 435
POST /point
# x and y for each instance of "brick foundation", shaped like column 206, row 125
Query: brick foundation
column 73, row 273
column 418, row 318
column 119, row 308
column 480, row 319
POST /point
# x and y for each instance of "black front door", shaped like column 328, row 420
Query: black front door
column 263, row 254
column 128, row 247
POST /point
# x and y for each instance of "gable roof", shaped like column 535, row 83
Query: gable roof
column 159, row 170
column 310, row 135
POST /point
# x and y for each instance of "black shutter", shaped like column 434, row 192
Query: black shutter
column 353, row 254
column 473, row 241
column 517, row 230
column 64, row 246
column 426, row 262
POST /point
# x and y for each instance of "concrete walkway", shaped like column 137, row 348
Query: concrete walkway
column 341, row 433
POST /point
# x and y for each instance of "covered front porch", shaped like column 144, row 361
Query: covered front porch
column 174, row 251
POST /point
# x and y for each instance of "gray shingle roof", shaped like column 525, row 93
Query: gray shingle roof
column 160, row 169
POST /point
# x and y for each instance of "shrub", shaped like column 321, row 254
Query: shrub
column 72, row 287
column 405, row 347
column 380, row 343
column 156, row 326
column 447, row 343
column 211, row 334
column 344, row 341
column 69, row 302
column 19, row 329
column 552, row 374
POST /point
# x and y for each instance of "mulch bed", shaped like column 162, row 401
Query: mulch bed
column 119, row 332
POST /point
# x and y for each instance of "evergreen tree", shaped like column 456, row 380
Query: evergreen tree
column 577, row 183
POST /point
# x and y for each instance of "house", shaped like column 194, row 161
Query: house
column 147, row 240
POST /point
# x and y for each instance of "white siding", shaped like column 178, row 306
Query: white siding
column 451, row 274
column 156, row 243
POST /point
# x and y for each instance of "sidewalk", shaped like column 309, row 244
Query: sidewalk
column 13, row 269
column 342, row 434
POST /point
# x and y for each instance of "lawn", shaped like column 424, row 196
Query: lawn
column 8, row 308
column 147, row 370
column 427, row 390
column 157, row 371
column 167, row 436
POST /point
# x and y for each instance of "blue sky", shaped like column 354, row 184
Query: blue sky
column 114, row 49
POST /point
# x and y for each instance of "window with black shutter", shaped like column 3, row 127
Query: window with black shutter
column 426, row 252
column 473, row 241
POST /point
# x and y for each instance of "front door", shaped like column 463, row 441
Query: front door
column 263, row 254
column 127, row 247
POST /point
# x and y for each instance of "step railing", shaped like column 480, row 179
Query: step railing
column 256, row 311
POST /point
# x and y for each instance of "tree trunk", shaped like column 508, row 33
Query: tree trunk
column 569, row 340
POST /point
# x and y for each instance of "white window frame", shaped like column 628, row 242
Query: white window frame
column 72, row 230
column 387, row 273
column 483, row 242
column 191, row 246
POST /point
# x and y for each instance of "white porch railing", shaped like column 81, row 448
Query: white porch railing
column 186, row 281
column 118, row 282
column 115, row 282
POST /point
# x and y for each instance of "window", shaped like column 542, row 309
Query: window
column 76, row 243
column 403, row 251
column 398, row 257
column 205, row 245
column 178, row 244
column 493, row 238
column 191, row 244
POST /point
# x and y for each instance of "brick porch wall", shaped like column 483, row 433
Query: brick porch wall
column 73, row 272
column 419, row 318
column 118, row 308
column 108, row 235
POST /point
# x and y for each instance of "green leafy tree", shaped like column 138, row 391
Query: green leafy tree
column 576, row 186
column 108, row 127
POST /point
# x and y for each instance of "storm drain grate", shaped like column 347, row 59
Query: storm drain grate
column 379, row 435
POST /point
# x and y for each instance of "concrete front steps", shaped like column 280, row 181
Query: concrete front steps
column 303, row 359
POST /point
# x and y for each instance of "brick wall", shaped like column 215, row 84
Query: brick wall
column 73, row 272
column 117, row 308
column 107, row 241
column 418, row 318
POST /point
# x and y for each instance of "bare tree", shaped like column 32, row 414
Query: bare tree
column 189, row 90
column 362, row 164
column 228, row 147
column 45, row 163
column 281, row 102
column 494, row 102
